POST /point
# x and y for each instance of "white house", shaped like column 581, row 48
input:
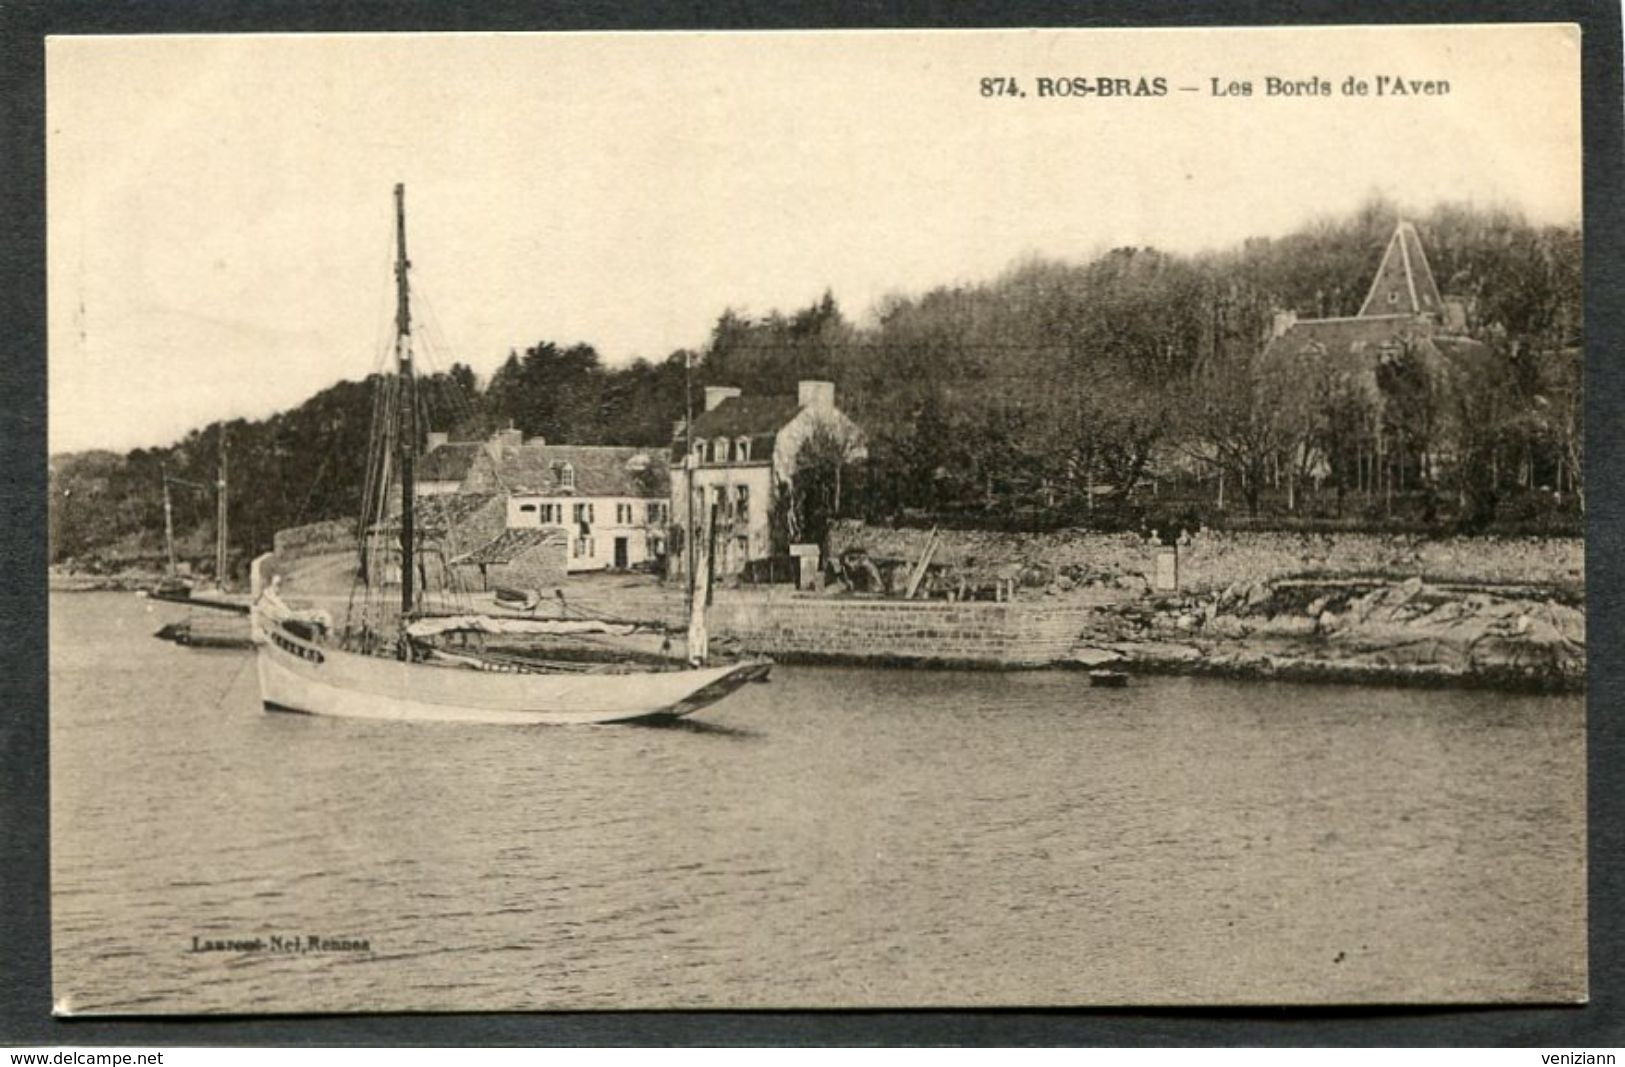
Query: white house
column 613, row 502
column 741, row 450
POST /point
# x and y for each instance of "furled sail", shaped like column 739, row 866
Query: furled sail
column 491, row 624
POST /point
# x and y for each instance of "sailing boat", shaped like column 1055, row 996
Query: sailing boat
column 176, row 588
column 389, row 664
column 223, row 623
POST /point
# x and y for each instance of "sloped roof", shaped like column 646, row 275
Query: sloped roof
column 433, row 515
column 742, row 416
column 511, row 544
column 1356, row 343
column 1404, row 283
column 448, row 462
column 599, row 470
column 759, row 418
column 1346, row 337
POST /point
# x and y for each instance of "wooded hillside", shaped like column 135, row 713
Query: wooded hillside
column 1123, row 390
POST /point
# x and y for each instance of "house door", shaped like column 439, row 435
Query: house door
column 620, row 554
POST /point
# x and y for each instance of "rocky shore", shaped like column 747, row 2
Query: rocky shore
column 1361, row 628
column 1354, row 630
column 58, row 581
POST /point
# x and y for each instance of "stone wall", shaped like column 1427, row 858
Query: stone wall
column 1214, row 560
column 315, row 539
column 808, row 627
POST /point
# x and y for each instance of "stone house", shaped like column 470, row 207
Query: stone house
column 1403, row 315
column 741, row 453
column 612, row 502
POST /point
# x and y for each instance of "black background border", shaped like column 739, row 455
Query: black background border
column 25, row 972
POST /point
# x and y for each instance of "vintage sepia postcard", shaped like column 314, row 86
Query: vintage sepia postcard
column 816, row 519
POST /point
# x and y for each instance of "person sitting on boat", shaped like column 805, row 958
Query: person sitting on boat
column 312, row 624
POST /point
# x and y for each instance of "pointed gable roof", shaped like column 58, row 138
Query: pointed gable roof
column 1404, row 282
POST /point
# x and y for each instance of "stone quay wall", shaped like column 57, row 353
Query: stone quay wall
column 810, row 628
column 315, row 539
column 1213, row 560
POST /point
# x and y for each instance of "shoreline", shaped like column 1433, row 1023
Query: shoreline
column 1263, row 669
column 1286, row 668
column 1358, row 630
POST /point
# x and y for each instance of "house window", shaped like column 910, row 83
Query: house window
column 567, row 476
column 719, row 450
column 583, row 513
column 623, row 514
column 583, row 547
column 742, row 501
column 657, row 514
column 742, row 449
column 552, row 513
column 699, row 453
column 531, row 508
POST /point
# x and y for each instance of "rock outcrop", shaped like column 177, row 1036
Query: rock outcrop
column 1407, row 631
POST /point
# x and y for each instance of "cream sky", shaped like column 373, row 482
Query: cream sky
column 220, row 207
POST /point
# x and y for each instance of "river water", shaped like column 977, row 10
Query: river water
column 838, row 837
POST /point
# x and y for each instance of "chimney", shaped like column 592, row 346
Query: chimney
column 678, row 426
column 434, row 440
column 716, row 394
column 820, row 396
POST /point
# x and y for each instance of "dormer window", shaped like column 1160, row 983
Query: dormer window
column 742, row 449
column 567, row 476
column 719, row 450
column 699, row 452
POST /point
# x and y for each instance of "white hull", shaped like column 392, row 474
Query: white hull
column 296, row 675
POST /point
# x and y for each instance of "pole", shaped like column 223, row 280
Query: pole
column 711, row 555
column 408, row 403
column 220, row 515
column 689, row 464
column 169, row 522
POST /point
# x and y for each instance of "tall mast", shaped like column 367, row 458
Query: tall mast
column 408, row 401
column 689, row 468
column 220, row 515
column 169, row 522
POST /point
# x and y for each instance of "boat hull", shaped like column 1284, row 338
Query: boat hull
column 297, row 675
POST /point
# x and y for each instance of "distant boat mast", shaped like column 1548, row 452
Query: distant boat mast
column 408, row 405
column 220, row 515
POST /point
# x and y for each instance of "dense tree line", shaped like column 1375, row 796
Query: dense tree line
column 1098, row 392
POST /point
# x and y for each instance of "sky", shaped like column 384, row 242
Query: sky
column 220, row 210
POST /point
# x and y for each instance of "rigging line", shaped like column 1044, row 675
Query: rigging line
column 371, row 519
column 370, row 472
column 435, row 344
column 438, row 391
column 238, row 673
column 386, row 294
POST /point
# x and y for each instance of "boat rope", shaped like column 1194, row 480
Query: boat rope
column 238, row 673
